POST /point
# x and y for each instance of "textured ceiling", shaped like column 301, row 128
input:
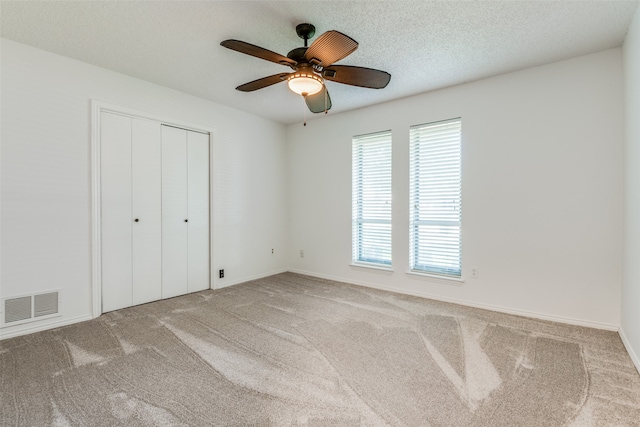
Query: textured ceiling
column 425, row 45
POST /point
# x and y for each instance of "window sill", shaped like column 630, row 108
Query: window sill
column 371, row 267
column 447, row 280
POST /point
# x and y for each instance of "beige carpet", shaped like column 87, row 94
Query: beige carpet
column 295, row 350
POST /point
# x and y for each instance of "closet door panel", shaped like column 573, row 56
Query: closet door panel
column 115, row 190
column 174, row 212
column 146, row 208
column 198, row 208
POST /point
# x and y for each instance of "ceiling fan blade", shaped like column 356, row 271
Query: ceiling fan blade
column 257, row 51
column 330, row 47
column 357, row 76
column 263, row 82
column 319, row 102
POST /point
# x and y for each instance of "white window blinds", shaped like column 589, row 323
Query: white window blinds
column 371, row 215
column 435, row 197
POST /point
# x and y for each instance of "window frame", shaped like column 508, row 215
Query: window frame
column 379, row 149
column 446, row 231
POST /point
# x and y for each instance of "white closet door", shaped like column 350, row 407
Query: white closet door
column 146, row 209
column 174, row 212
column 198, row 209
column 115, row 188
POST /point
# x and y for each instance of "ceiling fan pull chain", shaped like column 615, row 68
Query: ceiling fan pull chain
column 304, row 109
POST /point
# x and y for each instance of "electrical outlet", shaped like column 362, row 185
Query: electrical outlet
column 474, row 271
column 301, row 253
column 222, row 273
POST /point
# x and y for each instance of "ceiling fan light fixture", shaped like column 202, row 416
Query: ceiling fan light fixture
column 305, row 83
column 310, row 65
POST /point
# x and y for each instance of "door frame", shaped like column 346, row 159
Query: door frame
column 97, row 107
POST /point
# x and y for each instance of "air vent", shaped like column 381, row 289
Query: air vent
column 17, row 309
column 29, row 308
column 45, row 304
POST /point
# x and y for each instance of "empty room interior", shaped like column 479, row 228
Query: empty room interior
column 327, row 213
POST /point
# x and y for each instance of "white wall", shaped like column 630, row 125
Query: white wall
column 542, row 185
column 542, row 190
column 46, row 177
column 630, row 319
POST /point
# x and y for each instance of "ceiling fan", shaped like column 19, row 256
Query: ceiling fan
column 313, row 65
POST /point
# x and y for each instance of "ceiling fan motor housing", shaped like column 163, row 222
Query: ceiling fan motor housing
column 297, row 54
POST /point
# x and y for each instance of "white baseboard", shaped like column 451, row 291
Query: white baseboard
column 27, row 328
column 218, row 285
column 523, row 313
column 632, row 354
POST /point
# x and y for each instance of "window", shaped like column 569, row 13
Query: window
column 435, row 197
column 371, row 215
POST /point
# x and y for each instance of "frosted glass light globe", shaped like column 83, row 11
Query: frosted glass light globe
column 305, row 84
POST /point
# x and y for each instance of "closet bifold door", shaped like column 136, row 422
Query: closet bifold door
column 198, row 210
column 130, row 211
column 174, row 212
column 146, row 211
column 185, row 211
column 115, row 189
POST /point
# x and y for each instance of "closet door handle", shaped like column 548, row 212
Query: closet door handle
column 136, row 220
column 186, row 220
